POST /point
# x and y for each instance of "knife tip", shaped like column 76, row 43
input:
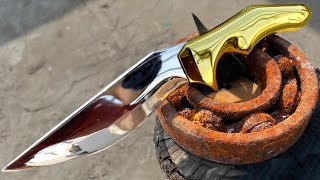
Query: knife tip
column 13, row 166
column 14, row 169
column 5, row 169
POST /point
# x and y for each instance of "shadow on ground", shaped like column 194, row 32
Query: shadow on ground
column 19, row 17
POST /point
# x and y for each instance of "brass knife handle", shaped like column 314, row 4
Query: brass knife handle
column 239, row 34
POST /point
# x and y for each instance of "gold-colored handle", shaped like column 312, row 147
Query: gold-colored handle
column 199, row 57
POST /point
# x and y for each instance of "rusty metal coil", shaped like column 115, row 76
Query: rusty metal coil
column 262, row 127
column 262, row 67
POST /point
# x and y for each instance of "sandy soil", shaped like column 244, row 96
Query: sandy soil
column 56, row 54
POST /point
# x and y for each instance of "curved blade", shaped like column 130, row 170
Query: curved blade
column 110, row 115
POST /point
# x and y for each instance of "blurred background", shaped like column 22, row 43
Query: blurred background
column 54, row 55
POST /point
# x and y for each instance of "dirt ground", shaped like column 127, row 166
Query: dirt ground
column 54, row 55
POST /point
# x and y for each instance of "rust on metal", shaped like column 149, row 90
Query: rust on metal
column 262, row 68
column 256, row 122
column 254, row 130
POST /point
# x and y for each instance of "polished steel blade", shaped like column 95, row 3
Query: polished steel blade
column 110, row 115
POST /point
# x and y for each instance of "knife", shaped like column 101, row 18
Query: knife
column 125, row 103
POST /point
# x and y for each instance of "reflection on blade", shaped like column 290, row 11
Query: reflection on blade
column 74, row 148
column 77, row 147
column 110, row 115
